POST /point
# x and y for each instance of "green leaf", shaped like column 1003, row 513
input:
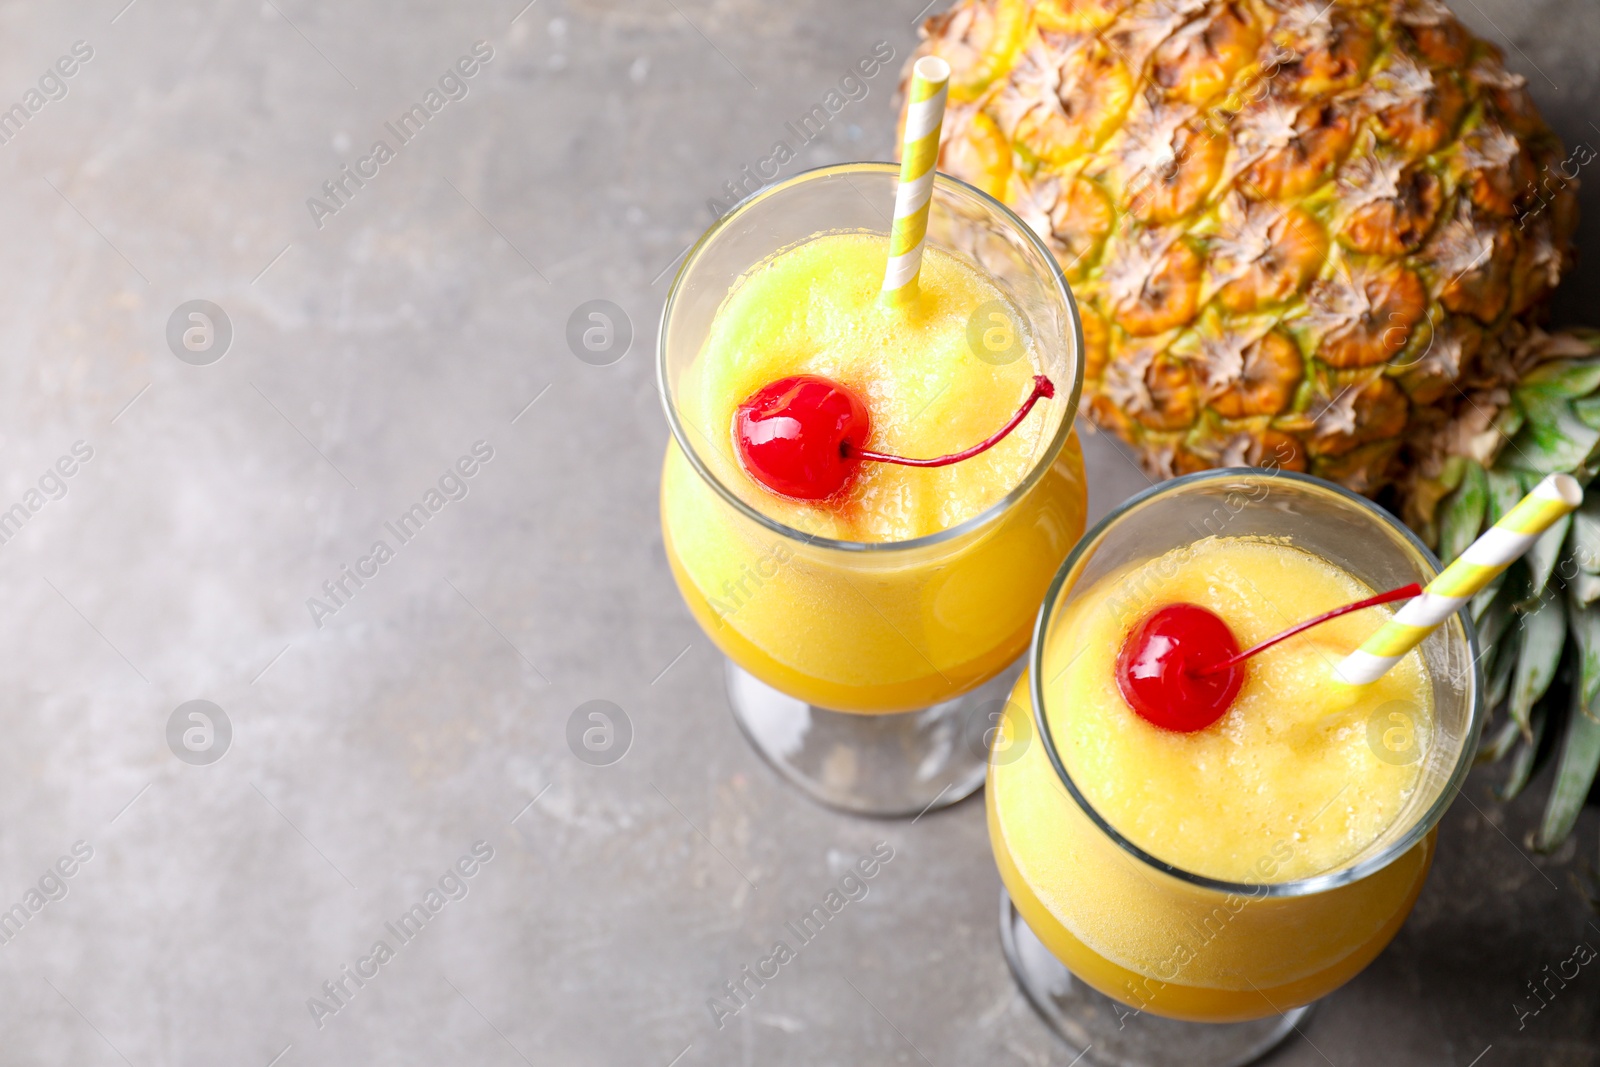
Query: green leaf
column 1586, row 534
column 1491, row 592
column 1541, row 406
column 1553, row 439
column 1494, row 623
column 1462, row 520
column 1493, row 749
column 1525, row 760
column 1509, row 421
column 1566, row 378
column 1588, row 409
column 1513, row 583
column 1543, row 636
column 1585, row 587
column 1505, row 490
column 1500, row 680
column 1450, row 477
column 1584, row 623
column 1544, row 553
column 1580, row 755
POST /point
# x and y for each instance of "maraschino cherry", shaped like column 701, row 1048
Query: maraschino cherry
column 1159, row 668
column 1180, row 667
column 805, row 436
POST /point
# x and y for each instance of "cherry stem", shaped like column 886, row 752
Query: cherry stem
column 1405, row 592
column 1043, row 389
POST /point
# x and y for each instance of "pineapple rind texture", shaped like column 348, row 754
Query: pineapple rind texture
column 1302, row 235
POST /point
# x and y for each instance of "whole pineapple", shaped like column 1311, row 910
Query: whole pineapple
column 1318, row 236
column 1297, row 230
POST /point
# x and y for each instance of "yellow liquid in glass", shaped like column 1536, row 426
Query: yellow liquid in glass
column 856, row 631
column 1288, row 784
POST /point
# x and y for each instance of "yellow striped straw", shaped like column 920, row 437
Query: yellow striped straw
column 1500, row 546
column 919, row 157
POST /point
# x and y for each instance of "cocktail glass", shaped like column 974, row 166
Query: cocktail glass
column 870, row 674
column 1134, row 961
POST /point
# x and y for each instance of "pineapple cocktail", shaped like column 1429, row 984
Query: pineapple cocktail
column 814, row 310
column 848, row 579
column 1244, row 863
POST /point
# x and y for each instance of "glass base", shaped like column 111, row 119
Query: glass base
column 892, row 766
column 1103, row 1032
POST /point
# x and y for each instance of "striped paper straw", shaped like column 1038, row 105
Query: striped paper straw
column 919, row 157
column 1500, row 546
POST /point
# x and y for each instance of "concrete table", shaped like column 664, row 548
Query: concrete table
column 389, row 322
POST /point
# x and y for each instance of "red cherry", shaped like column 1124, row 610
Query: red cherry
column 805, row 436
column 1179, row 669
column 1158, row 668
column 802, row 436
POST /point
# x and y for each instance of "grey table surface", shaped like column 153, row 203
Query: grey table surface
column 372, row 346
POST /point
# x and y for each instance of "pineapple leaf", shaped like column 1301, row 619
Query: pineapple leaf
column 1562, row 378
column 1588, row 409
column 1585, row 624
column 1494, row 749
column 1491, row 592
column 1542, row 639
column 1450, row 477
column 1509, row 421
column 1585, row 587
column 1525, row 760
column 1580, row 756
column 1494, row 623
column 1544, row 553
column 1500, row 680
column 1553, row 439
column 1505, row 490
column 1463, row 513
column 1586, row 535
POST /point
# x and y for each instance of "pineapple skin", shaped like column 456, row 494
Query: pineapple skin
column 1301, row 235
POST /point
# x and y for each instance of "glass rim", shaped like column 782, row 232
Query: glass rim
column 985, row 517
column 1317, row 883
